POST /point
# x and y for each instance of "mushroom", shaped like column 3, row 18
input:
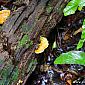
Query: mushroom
column 42, row 46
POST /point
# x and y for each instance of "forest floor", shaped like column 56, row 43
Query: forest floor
column 66, row 34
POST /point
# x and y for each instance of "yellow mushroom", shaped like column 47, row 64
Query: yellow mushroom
column 42, row 46
column 19, row 82
column 4, row 15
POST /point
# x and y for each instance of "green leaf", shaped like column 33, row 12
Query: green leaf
column 54, row 45
column 80, row 44
column 72, row 57
column 81, row 4
column 83, row 34
column 83, row 26
column 82, row 40
column 71, row 7
column 80, row 8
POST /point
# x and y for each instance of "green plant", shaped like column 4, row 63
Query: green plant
column 72, row 57
column 72, row 6
column 82, row 40
column 54, row 45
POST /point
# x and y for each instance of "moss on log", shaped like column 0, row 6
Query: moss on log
column 32, row 21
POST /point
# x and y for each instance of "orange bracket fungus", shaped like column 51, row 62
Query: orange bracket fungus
column 4, row 15
column 42, row 46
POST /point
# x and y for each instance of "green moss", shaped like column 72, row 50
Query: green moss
column 1, row 61
column 8, row 74
column 25, row 41
column 29, row 44
column 49, row 9
column 5, row 73
column 31, row 65
column 25, row 27
column 14, row 76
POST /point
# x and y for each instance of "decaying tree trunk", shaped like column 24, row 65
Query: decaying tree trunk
column 34, row 20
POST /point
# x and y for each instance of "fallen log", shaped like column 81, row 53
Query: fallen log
column 20, row 35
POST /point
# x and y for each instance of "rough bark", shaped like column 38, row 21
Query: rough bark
column 35, row 20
